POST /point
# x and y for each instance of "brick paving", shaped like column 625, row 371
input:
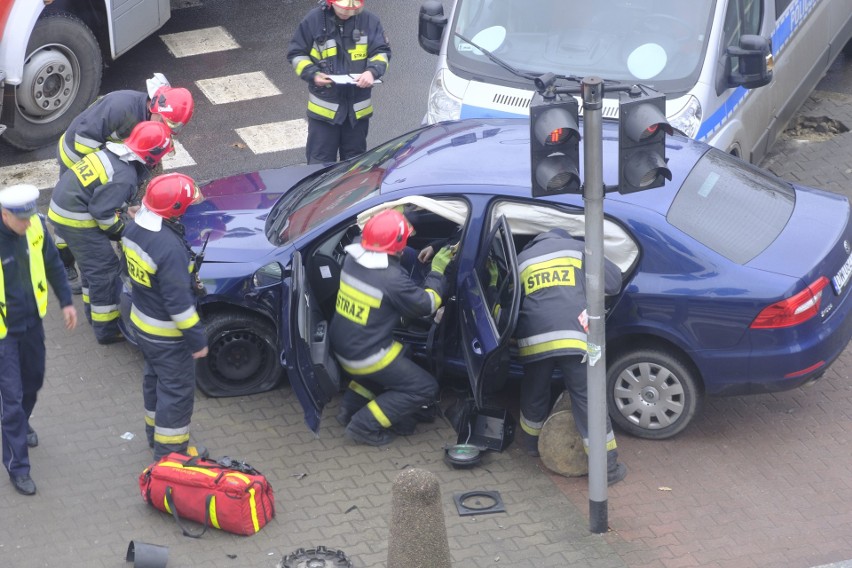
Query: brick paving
column 755, row 482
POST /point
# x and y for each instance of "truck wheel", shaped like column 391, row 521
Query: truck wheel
column 62, row 75
column 242, row 357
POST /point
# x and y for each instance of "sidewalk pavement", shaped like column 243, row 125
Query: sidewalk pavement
column 761, row 481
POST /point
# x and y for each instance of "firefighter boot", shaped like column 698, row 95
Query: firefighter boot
column 615, row 471
column 364, row 429
column 528, row 443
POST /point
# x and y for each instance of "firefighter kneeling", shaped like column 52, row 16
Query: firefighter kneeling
column 387, row 391
column 163, row 314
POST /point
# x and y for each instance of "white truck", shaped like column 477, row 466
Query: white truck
column 51, row 59
column 733, row 71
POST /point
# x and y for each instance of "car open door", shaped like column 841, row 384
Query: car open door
column 489, row 298
column 306, row 353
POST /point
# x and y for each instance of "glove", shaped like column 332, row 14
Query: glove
column 492, row 272
column 442, row 259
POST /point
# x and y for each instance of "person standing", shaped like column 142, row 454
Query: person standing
column 339, row 38
column 387, row 390
column 169, row 331
column 85, row 209
column 30, row 261
column 111, row 118
column 551, row 334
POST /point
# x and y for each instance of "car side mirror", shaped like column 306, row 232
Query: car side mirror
column 431, row 26
column 754, row 55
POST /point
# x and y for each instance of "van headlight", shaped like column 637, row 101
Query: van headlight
column 688, row 119
column 442, row 105
column 267, row 275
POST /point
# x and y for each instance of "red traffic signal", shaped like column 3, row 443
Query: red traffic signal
column 642, row 134
column 554, row 145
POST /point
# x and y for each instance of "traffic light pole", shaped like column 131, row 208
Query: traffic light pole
column 593, row 196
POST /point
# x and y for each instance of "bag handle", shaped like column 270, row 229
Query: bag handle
column 186, row 532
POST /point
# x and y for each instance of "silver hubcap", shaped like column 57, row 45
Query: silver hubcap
column 649, row 396
column 49, row 83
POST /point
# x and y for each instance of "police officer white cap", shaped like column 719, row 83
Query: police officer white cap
column 20, row 200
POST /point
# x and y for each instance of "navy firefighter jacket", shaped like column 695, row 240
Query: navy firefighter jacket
column 21, row 309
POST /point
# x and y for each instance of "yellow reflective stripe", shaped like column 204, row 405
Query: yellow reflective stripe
column 359, row 52
column 176, row 439
column 554, row 345
column 383, row 362
column 253, row 505
column 378, row 414
column 105, row 316
column 361, row 390
column 300, row 66
column 316, row 109
column 315, row 54
column 179, row 465
column 530, row 430
column 68, row 160
column 38, row 279
column 380, row 57
column 80, row 224
column 188, row 322
column 211, row 512
column 359, row 114
column 151, row 328
column 554, row 272
column 149, row 420
column 436, row 299
column 104, row 224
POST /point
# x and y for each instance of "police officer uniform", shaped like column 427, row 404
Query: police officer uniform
column 29, row 262
column 338, row 115
column 550, row 334
column 83, row 212
column 387, row 388
column 163, row 315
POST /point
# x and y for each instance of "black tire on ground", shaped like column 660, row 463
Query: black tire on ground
column 652, row 394
column 62, row 76
column 242, row 357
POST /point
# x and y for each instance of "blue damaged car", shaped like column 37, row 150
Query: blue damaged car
column 734, row 282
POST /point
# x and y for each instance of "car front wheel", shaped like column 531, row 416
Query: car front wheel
column 242, row 357
column 651, row 394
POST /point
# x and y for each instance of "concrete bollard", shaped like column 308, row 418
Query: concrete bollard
column 418, row 534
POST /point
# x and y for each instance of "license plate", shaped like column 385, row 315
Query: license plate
column 842, row 277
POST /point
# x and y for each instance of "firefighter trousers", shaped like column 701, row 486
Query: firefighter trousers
column 22, row 357
column 407, row 387
column 326, row 140
column 99, row 275
column 168, row 392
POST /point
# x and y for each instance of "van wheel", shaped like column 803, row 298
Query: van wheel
column 651, row 394
column 62, row 75
column 242, row 357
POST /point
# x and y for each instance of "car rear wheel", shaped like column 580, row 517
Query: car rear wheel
column 242, row 357
column 651, row 394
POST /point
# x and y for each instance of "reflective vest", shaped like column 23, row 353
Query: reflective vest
column 35, row 242
column 322, row 44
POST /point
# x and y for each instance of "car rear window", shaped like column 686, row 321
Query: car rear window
column 732, row 207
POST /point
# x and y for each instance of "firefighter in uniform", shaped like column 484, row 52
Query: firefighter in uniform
column 339, row 38
column 163, row 314
column 85, row 208
column 29, row 262
column 551, row 333
column 111, row 119
column 387, row 389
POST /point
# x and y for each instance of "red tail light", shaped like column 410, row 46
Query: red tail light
column 792, row 311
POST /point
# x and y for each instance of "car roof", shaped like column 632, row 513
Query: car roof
column 487, row 153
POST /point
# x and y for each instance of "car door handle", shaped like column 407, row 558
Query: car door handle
column 476, row 347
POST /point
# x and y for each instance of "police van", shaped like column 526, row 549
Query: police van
column 733, row 71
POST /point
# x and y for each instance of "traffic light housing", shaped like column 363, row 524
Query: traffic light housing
column 642, row 131
column 554, row 145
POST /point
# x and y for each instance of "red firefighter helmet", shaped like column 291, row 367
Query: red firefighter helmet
column 174, row 104
column 348, row 5
column 169, row 195
column 387, row 231
column 151, row 141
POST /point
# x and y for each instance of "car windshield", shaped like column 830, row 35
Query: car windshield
column 316, row 199
column 658, row 41
column 732, row 207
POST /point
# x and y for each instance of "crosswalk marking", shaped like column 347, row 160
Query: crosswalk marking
column 196, row 42
column 275, row 136
column 233, row 88
column 180, row 158
column 42, row 174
